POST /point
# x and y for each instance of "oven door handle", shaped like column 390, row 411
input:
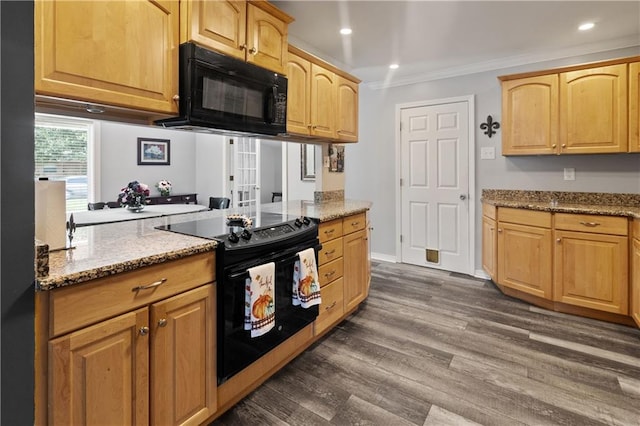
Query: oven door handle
column 288, row 259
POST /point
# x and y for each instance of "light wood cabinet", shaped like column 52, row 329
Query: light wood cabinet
column 322, row 102
column 530, row 115
column 524, row 251
column 356, row 255
column 489, row 241
column 584, row 109
column 134, row 348
column 119, row 53
column 253, row 31
column 591, row 262
column 634, row 107
column 635, row 272
column 593, row 110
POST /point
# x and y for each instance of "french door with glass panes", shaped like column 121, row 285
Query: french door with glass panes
column 243, row 164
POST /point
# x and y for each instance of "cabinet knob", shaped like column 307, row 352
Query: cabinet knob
column 176, row 98
column 162, row 322
column 499, row 230
column 243, row 47
column 564, row 145
column 558, row 240
column 144, row 331
column 554, row 146
column 253, row 50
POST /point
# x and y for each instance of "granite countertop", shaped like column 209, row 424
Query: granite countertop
column 108, row 249
column 609, row 204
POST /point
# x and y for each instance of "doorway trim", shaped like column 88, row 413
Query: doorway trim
column 470, row 100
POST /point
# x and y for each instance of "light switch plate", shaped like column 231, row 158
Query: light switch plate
column 487, row 153
column 569, row 173
column 325, row 162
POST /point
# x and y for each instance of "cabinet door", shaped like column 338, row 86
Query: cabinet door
column 593, row 110
column 524, row 259
column 218, row 24
column 347, row 110
column 635, row 281
column 489, row 246
column 122, row 53
column 355, row 254
column 266, row 40
column 100, row 374
column 183, row 389
column 298, row 95
column 634, row 107
column 530, row 115
column 322, row 102
column 591, row 270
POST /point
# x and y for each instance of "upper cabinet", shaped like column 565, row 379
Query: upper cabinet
column 586, row 109
column 94, row 52
column 634, row 107
column 254, row 31
column 322, row 101
column 593, row 110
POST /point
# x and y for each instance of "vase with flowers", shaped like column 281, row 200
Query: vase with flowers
column 133, row 196
column 164, row 186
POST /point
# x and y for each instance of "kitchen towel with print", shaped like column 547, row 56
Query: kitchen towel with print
column 260, row 302
column 306, row 286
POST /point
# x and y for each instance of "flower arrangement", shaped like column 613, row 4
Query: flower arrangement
column 133, row 195
column 164, row 186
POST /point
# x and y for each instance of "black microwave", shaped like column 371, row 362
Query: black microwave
column 222, row 93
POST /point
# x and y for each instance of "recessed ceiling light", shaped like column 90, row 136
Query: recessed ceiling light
column 586, row 26
column 394, row 66
column 345, row 31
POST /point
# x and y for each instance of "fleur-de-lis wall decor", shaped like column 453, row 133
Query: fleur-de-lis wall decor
column 490, row 126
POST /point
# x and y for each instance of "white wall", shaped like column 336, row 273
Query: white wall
column 209, row 162
column 119, row 161
column 270, row 169
column 370, row 165
column 298, row 189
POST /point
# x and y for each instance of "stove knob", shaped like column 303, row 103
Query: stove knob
column 306, row 220
column 233, row 237
column 246, row 235
column 298, row 223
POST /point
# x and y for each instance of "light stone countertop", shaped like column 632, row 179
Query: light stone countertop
column 607, row 204
column 108, row 249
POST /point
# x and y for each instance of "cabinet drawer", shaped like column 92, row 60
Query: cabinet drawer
column 80, row 305
column 331, row 308
column 330, row 271
column 330, row 230
column 592, row 223
column 525, row 217
column 354, row 223
column 331, row 250
column 489, row 211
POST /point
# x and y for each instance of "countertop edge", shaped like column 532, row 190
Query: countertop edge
column 602, row 210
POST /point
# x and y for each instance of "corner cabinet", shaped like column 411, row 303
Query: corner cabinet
column 134, row 348
column 322, row 101
column 118, row 53
column 583, row 109
column 253, row 31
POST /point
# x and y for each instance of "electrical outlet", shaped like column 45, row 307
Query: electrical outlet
column 569, row 173
column 487, row 153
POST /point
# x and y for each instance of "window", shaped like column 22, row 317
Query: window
column 63, row 151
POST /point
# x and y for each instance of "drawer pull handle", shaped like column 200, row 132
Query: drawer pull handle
column 152, row 285
column 590, row 224
column 328, row 274
column 330, row 306
column 329, row 231
column 144, row 331
column 327, row 253
column 355, row 223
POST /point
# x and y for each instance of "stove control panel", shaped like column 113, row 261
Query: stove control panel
column 267, row 234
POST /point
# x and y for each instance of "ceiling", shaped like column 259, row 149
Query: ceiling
column 435, row 39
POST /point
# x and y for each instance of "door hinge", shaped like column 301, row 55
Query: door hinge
column 401, row 126
column 400, row 237
column 401, row 182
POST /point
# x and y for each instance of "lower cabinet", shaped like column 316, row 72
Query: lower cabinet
column 524, row 251
column 591, row 257
column 489, row 241
column 355, row 252
column 635, row 272
column 132, row 348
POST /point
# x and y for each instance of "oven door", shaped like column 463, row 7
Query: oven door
column 236, row 348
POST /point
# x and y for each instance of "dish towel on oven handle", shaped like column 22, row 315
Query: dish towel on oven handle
column 260, row 300
column 306, row 286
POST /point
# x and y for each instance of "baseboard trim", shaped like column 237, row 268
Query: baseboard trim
column 383, row 257
column 480, row 273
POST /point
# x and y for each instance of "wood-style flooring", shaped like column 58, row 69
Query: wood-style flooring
column 434, row 348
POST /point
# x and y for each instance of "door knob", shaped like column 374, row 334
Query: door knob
column 463, row 196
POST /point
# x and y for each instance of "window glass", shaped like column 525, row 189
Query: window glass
column 61, row 146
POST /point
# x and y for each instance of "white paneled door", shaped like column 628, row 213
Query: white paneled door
column 435, row 186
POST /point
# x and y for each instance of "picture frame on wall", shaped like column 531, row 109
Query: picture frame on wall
column 336, row 158
column 154, row 152
column 307, row 162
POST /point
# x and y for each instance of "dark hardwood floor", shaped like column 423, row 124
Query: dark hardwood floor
column 435, row 348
